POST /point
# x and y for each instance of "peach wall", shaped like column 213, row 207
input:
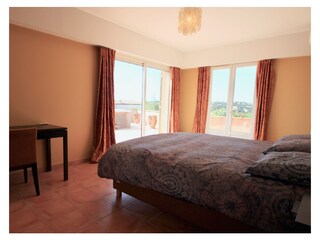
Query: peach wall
column 53, row 80
column 291, row 109
column 188, row 97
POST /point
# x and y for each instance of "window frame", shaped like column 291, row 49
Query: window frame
column 231, row 87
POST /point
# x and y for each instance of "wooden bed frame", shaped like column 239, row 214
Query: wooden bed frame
column 202, row 217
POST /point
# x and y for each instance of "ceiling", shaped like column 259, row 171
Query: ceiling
column 220, row 26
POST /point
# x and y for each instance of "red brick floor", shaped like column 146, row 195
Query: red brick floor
column 83, row 204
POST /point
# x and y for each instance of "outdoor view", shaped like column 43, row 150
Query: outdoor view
column 238, row 99
column 142, row 100
column 137, row 103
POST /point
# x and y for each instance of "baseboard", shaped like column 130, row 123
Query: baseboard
column 58, row 165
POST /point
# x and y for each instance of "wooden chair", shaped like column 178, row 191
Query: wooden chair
column 23, row 152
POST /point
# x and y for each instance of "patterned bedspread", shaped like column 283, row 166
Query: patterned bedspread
column 206, row 170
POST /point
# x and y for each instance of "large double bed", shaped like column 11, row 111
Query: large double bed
column 205, row 179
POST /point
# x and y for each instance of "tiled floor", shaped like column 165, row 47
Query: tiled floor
column 83, row 204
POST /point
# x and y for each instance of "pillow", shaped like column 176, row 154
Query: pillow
column 297, row 137
column 290, row 167
column 290, row 145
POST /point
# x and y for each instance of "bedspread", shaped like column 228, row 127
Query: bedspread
column 206, row 170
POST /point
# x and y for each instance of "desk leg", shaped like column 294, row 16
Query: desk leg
column 65, row 155
column 48, row 153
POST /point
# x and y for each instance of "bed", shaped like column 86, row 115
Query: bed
column 212, row 181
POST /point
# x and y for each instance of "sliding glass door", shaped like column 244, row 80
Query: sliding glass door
column 243, row 101
column 156, row 101
column 231, row 107
column 128, row 83
column 141, row 100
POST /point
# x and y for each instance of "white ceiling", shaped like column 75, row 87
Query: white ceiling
column 220, row 26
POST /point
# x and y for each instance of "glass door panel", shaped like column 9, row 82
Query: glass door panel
column 243, row 97
column 141, row 97
column 219, row 100
column 153, row 97
column 231, row 107
column 128, row 85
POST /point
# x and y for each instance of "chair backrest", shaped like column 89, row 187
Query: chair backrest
column 22, row 145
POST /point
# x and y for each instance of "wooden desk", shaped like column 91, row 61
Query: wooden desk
column 46, row 132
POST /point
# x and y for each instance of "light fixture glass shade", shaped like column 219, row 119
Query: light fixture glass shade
column 189, row 20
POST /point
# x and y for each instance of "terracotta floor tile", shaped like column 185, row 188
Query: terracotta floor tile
column 82, row 196
column 59, row 182
column 23, row 190
column 45, row 195
column 15, row 195
column 68, row 189
column 54, row 207
column 103, row 189
column 80, row 176
column 90, row 182
column 22, row 219
column 94, row 228
column 120, row 202
column 52, row 176
column 142, row 209
column 38, row 227
column 150, row 228
column 71, row 222
column 98, row 209
column 86, row 167
column 121, row 221
column 18, row 205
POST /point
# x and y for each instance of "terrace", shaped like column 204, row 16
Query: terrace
column 129, row 124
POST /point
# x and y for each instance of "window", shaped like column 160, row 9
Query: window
column 141, row 100
column 232, row 97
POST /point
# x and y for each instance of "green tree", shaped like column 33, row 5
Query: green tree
column 153, row 105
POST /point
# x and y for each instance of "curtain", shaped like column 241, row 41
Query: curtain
column 104, row 134
column 175, row 96
column 265, row 82
column 200, row 118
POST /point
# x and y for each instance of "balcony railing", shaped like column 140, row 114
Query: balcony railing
column 238, row 124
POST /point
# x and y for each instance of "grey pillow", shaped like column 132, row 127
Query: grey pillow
column 290, row 145
column 290, row 167
column 296, row 137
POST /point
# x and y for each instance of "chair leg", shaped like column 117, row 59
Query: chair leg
column 35, row 178
column 25, row 173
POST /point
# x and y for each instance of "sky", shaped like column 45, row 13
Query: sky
column 244, row 84
column 127, row 74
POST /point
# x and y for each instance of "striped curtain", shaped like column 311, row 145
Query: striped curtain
column 200, row 117
column 104, row 135
column 265, row 83
column 175, row 97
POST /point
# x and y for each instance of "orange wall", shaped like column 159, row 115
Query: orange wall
column 291, row 109
column 291, row 106
column 53, row 80
column 188, row 96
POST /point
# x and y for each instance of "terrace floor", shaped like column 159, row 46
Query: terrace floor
column 134, row 131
